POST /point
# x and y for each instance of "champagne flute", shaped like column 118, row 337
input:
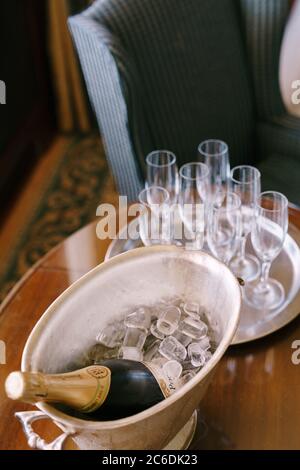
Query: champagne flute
column 162, row 171
column 194, row 186
column 224, row 226
column 154, row 220
column 214, row 153
column 268, row 235
column 245, row 182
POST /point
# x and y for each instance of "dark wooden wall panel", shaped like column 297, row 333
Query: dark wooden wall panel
column 26, row 120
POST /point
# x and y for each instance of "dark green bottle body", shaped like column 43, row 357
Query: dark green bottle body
column 133, row 388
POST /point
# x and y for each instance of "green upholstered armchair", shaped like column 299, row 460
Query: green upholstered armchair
column 171, row 73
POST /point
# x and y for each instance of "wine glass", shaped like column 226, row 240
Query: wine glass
column 162, row 171
column 194, row 186
column 268, row 235
column 214, row 153
column 245, row 182
column 154, row 220
column 224, row 226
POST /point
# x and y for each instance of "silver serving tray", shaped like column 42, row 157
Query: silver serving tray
column 254, row 323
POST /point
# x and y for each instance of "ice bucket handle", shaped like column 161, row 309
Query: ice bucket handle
column 34, row 440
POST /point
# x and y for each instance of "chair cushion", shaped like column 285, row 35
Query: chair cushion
column 290, row 62
column 190, row 65
column 263, row 22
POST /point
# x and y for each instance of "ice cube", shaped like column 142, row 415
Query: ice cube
column 204, row 343
column 196, row 354
column 159, row 360
column 169, row 320
column 99, row 353
column 172, row 370
column 171, row 348
column 131, row 353
column 196, row 329
column 138, row 319
column 182, row 337
column 152, row 350
column 187, row 377
column 176, row 300
column 157, row 309
column 134, row 337
column 111, row 335
column 175, row 335
column 208, row 356
column 155, row 332
column 192, row 309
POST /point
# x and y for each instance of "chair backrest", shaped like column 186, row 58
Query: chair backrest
column 183, row 73
column 263, row 23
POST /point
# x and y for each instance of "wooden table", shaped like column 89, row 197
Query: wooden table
column 253, row 402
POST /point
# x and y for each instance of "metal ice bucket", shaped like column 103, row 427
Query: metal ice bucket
column 69, row 326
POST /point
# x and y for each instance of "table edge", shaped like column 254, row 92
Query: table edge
column 12, row 293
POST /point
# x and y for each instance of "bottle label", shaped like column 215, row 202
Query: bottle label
column 103, row 376
column 166, row 384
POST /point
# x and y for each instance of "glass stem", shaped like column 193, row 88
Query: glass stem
column 243, row 248
column 265, row 269
column 199, row 238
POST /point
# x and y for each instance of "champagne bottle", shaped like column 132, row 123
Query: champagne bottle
column 115, row 389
